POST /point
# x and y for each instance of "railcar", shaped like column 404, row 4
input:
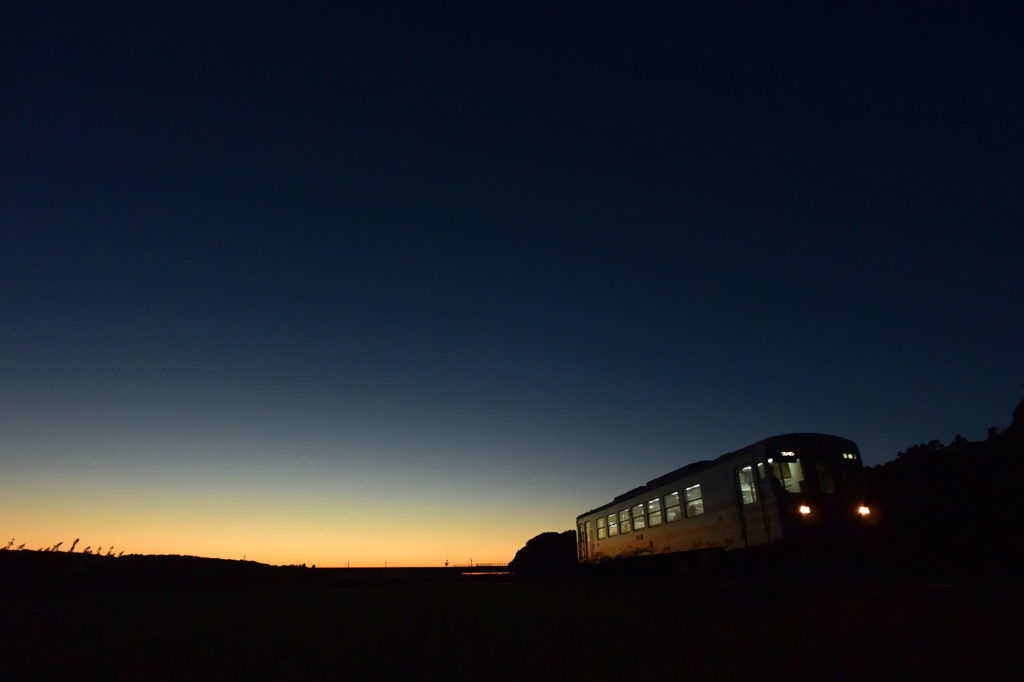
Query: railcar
column 800, row 487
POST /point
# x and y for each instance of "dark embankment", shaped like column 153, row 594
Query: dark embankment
column 537, row 631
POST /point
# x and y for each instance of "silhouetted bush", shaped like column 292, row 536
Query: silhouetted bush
column 546, row 553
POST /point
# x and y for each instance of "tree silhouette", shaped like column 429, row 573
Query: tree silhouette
column 546, row 552
column 951, row 509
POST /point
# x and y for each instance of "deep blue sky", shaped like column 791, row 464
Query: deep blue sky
column 527, row 257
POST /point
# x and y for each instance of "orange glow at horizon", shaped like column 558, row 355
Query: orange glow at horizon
column 395, row 523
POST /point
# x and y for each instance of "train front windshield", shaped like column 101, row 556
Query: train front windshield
column 825, row 474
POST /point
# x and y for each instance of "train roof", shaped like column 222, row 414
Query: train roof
column 803, row 440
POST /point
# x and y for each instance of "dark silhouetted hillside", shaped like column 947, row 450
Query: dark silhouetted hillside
column 952, row 511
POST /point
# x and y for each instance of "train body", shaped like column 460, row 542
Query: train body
column 801, row 487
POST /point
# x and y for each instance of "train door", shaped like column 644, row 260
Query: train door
column 752, row 515
column 588, row 541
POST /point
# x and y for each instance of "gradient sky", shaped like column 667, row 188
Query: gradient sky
column 323, row 285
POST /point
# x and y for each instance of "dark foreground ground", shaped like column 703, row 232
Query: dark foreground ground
column 488, row 630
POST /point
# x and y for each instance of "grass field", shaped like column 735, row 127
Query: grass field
column 493, row 631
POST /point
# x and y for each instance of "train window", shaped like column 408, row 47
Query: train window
column 624, row 525
column 654, row 512
column 748, row 490
column 825, row 477
column 613, row 525
column 602, row 529
column 761, row 471
column 672, row 510
column 638, row 517
column 790, row 475
column 694, row 501
column 849, row 455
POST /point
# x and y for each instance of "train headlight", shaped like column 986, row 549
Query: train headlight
column 804, row 509
column 863, row 511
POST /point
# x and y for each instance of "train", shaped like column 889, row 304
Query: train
column 796, row 488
